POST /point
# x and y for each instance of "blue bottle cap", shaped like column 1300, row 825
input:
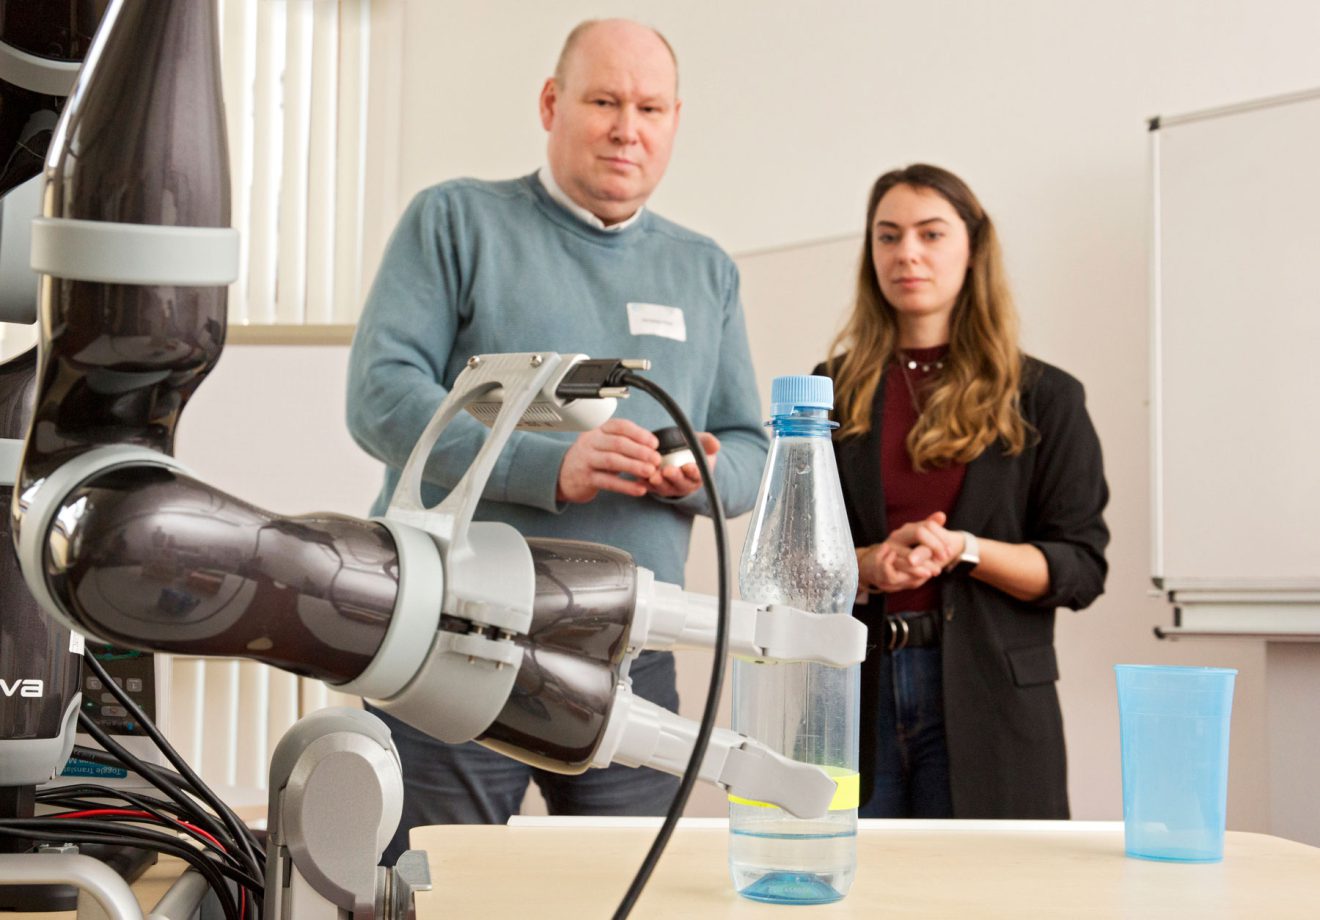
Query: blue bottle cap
column 800, row 391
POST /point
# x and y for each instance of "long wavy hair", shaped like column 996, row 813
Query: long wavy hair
column 975, row 400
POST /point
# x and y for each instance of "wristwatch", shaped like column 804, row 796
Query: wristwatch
column 970, row 557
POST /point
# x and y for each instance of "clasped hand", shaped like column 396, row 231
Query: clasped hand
column 621, row 456
column 909, row 557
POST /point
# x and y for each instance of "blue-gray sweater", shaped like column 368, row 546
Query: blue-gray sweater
column 481, row 267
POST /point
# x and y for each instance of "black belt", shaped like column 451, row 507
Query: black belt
column 910, row 630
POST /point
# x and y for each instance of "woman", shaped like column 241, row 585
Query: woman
column 975, row 488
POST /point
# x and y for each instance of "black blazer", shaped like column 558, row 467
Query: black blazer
column 1002, row 718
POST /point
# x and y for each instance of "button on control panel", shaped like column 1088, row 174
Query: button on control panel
column 132, row 671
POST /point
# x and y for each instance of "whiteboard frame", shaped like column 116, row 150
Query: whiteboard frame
column 1236, row 108
column 1156, row 367
column 1248, row 592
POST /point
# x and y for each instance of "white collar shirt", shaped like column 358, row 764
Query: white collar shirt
column 552, row 188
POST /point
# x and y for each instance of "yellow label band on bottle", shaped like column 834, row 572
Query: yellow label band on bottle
column 847, row 791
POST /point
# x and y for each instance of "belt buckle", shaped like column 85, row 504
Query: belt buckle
column 894, row 623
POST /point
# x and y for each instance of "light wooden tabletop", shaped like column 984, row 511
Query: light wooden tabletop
column 576, row 869
column 556, row 868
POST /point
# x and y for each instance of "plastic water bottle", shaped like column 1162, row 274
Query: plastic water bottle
column 799, row 551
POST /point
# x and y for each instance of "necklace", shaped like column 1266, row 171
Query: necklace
column 908, row 363
column 926, row 366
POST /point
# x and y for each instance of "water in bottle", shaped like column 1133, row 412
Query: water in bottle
column 799, row 552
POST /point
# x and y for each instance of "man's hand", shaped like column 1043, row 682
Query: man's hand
column 677, row 481
column 600, row 458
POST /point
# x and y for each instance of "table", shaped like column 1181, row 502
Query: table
column 579, row 868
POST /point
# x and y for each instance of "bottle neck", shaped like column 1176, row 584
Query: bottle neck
column 803, row 423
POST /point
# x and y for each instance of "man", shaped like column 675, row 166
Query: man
column 565, row 260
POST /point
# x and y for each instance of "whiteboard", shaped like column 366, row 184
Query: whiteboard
column 1236, row 347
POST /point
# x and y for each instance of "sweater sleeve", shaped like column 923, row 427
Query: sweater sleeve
column 734, row 416
column 400, row 352
column 1068, row 498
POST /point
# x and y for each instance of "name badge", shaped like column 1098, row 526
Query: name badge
column 657, row 319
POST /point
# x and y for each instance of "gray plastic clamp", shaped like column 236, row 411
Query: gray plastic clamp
column 416, row 618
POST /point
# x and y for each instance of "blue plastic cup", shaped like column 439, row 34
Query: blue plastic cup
column 1174, row 728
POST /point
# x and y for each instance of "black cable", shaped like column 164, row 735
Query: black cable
column 720, row 650
column 105, row 830
column 174, row 790
column 184, row 807
column 158, row 775
column 135, row 829
column 88, row 795
column 177, row 789
column 68, row 794
column 131, row 803
column 166, row 813
column 195, row 782
column 67, row 831
column 164, row 780
column 226, row 815
column 171, row 784
column 111, row 824
column 181, row 803
column 98, row 756
column 94, row 793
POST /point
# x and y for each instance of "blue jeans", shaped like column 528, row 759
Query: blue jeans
column 470, row 784
column 911, row 767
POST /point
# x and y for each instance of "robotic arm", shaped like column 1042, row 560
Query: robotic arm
column 464, row 629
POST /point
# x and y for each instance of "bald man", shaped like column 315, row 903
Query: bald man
column 566, row 259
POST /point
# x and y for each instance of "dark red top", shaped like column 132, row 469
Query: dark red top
column 909, row 495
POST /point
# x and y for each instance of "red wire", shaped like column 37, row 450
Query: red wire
column 133, row 813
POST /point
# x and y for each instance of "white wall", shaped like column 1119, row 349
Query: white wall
column 792, row 109
column 268, row 426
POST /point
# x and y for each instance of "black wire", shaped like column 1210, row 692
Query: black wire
column 720, row 650
column 158, row 775
column 123, row 825
column 236, row 826
column 132, row 803
column 70, row 797
column 89, row 795
column 107, row 830
column 94, row 793
column 169, row 786
column 68, row 831
column 167, row 813
column 181, row 802
column 96, row 755
column 93, row 825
